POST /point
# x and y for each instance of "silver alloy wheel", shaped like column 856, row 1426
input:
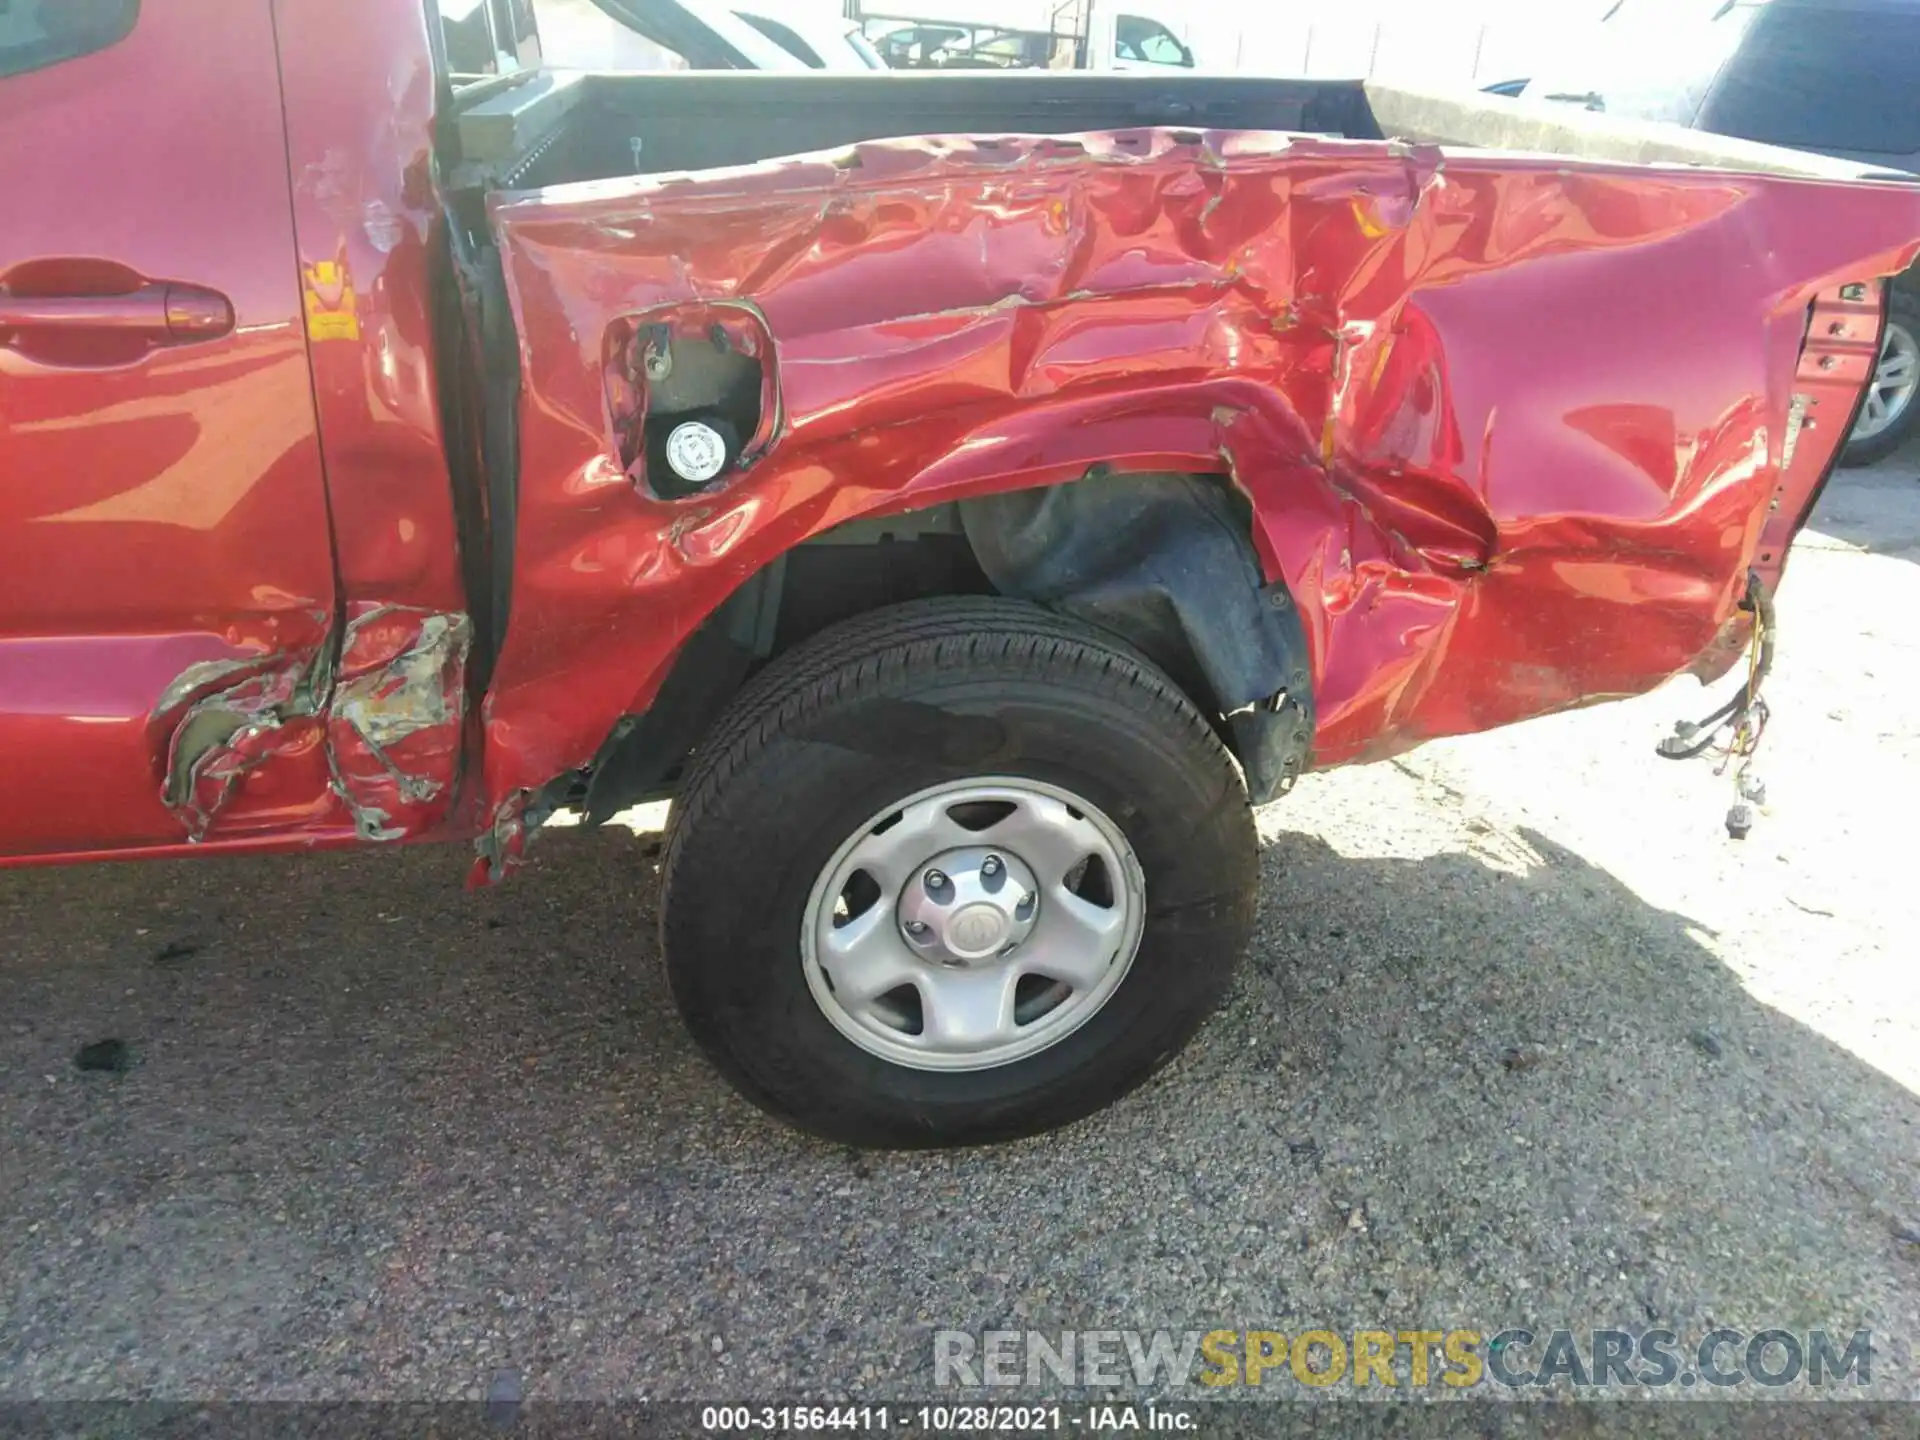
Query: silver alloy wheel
column 1895, row 380
column 974, row 924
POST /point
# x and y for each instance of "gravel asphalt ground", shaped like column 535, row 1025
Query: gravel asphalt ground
column 1524, row 1039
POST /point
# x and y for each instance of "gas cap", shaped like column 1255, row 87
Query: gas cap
column 696, row 451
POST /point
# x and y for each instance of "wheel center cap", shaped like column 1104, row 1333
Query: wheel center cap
column 977, row 930
column 969, row 907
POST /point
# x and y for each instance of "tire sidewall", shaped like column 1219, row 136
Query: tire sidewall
column 1903, row 310
column 749, row 872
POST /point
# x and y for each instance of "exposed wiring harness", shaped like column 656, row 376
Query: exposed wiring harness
column 1734, row 731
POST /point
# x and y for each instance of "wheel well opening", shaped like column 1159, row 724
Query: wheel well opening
column 1164, row 562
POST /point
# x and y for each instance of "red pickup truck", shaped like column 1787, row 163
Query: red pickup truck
column 961, row 526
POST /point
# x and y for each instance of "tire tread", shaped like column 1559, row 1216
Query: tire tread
column 857, row 656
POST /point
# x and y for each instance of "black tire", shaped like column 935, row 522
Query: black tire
column 1903, row 310
column 889, row 704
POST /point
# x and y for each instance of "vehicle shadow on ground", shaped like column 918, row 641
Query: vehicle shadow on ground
column 380, row 1138
column 1876, row 509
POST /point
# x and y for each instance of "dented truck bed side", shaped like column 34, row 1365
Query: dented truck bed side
column 1513, row 429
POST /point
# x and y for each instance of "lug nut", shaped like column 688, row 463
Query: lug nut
column 917, row 929
column 990, row 866
column 935, row 881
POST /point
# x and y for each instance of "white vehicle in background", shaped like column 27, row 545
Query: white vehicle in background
column 1107, row 35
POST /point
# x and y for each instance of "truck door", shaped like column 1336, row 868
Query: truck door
column 163, row 519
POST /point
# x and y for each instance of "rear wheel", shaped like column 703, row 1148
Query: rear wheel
column 955, row 872
column 1889, row 414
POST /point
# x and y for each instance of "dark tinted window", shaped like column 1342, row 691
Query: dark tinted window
column 38, row 33
column 468, row 26
column 1824, row 77
column 489, row 37
column 1137, row 38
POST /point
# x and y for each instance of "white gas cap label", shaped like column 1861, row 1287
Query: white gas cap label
column 696, row 452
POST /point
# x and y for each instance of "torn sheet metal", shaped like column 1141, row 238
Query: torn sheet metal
column 371, row 734
column 1510, row 426
column 395, row 721
column 224, row 720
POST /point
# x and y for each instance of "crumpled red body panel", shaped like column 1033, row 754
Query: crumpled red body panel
column 396, row 718
column 1511, row 426
column 372, row 736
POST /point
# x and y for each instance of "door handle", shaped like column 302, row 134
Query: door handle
column 161, row 314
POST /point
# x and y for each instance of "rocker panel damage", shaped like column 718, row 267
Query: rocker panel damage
column 1510, row 427
column 365, row 730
